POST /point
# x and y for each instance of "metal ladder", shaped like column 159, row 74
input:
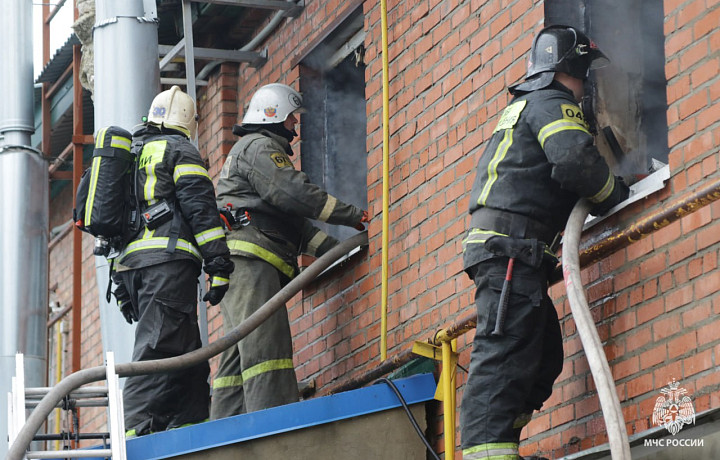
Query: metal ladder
column 20, row 399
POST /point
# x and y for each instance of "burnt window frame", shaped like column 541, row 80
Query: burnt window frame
column 323, row 156
column 641, row 74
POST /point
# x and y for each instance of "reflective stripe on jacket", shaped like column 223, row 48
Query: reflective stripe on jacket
column 541, row 159
column 170, row 169
column 259, row 176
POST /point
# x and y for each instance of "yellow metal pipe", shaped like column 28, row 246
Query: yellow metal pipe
column 448, row 400
column 453, row 384
column 386, row 180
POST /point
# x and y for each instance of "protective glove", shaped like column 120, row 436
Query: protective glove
column 123, row 300
column 218, row 269
column 620, row 193
column 365, row 219
column 219, row 284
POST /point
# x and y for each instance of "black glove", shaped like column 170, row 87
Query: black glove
column 219, row 265
column 219, row 270
column 219, row 284
column 620, row 193
column 123, row 300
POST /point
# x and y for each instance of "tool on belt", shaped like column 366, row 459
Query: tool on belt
column 530, row 252
column 504, row 300
column 234, row 217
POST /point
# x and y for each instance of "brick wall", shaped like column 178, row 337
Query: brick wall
column 447, row 81
column 450, row 64
column 654, row 302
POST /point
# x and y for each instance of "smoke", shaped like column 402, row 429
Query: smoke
column 334, row 152
column 631, row 90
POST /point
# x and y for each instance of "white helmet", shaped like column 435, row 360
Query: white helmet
column 174, row 109
column 272, row 104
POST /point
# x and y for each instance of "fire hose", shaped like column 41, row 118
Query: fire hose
column 609, row 401
column 94, row 374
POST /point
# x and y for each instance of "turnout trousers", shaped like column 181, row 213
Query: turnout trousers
column 164, row 297
column 513, row 374
column 258, row 372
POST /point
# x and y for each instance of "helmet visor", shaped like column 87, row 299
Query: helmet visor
column 598, row 58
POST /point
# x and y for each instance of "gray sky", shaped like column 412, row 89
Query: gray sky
column 59, row 31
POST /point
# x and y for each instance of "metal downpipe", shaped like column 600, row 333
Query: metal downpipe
column 24, row 187
column 609, row 401
column 127, row 78
column 73, row 381
column 385, row 180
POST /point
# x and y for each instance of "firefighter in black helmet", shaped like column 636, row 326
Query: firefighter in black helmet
column 539, row 161
column 259, row 177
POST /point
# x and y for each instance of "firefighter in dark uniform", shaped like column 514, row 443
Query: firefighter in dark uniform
column 158, row 270
column 539, row 161
column 258, row 177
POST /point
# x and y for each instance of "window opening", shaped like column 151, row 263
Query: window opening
column 333, row 131
column 628, row 97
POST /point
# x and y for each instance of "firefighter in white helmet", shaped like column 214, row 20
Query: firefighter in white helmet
column 259, row 178
column 158, row 271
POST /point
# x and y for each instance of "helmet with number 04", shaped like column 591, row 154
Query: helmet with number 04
column 176, row 110
column 560, row 48
column 272, row 104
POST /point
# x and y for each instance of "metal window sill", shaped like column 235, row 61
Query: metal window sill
column 639, row 190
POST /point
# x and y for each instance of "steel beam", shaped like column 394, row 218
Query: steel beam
column 264, row 4
column 210, row 54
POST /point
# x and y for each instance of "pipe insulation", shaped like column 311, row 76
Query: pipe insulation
column 83, row 28
column 609, row 401
column 75, row 380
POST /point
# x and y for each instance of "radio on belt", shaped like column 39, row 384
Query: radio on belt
column 156, row 215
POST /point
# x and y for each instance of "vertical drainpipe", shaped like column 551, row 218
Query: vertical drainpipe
column 24, row 209
column 127, row 78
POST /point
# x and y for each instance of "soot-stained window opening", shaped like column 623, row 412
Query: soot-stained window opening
column 628, row 97
column 333, row 131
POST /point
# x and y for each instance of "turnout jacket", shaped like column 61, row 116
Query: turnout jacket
column 539, row 161
column 259, row 177
column 170, row 168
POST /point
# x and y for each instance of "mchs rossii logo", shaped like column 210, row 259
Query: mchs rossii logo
column 673, row 410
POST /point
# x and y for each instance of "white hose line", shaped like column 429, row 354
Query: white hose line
column 609, row 401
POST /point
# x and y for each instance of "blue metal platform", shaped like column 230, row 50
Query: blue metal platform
column 318, row 411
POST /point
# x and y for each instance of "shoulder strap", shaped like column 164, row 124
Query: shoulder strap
column 136, row 149
column 175, row 228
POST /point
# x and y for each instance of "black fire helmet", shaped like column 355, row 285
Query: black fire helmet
column 560, row 48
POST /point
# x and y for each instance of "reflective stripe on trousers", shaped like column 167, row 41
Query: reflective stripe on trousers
column 492, row 451
column 254, row 371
